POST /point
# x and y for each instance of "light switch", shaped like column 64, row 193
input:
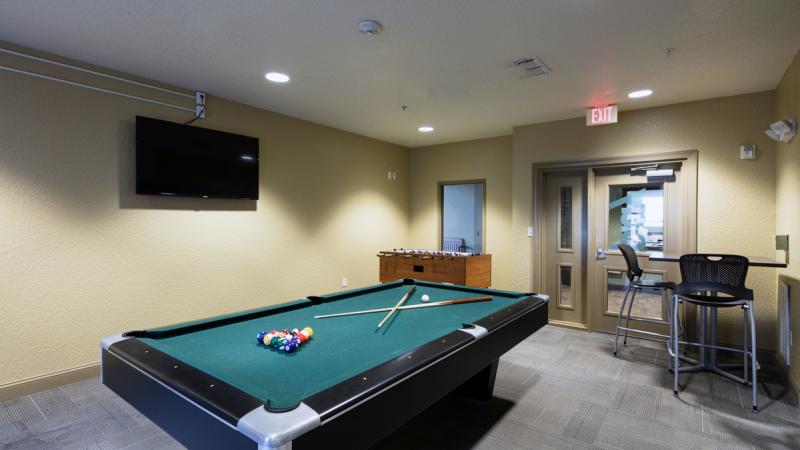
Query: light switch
column 530, row 231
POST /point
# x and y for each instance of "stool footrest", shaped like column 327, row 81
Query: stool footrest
column 649, row 333
column 716, row 347
column 653, row 321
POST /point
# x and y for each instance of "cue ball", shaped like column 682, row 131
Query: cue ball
column 425, row 298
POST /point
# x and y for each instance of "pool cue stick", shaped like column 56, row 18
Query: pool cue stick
column 421, row 305
column 402, row 300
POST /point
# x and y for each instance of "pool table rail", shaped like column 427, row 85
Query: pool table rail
column 220, row 399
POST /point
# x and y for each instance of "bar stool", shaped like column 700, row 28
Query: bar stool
column 703, row 278
column 635, row 284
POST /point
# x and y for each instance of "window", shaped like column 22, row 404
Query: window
column 648, row 301
column 636, row 217
column 565, row 219
column 565, row 286
column 462, row 217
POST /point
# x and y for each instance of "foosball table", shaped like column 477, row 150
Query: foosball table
column 468, row 269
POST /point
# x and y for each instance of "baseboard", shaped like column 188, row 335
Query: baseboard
column 793, row 384
column 48, row 381
column 565, row 324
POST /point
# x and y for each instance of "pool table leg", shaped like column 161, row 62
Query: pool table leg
column 481, row 385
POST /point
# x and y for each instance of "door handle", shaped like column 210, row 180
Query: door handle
column 601, row 253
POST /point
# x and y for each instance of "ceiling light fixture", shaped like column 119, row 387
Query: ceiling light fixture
column 425, row 128
column 641, row 93
column 277, row 77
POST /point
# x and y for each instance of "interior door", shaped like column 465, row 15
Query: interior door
column 565, row 248
column 647, row 214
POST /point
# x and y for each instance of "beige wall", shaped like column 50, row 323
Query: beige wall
column 488, row 159
column 788, row 198
column 82, row 257
column 736, row 208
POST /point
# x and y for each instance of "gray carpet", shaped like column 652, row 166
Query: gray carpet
column 558, row 389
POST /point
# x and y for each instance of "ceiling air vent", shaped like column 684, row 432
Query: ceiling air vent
column 531, row 67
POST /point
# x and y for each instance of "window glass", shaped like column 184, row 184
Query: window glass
column 636, row 217
column 565, row 218
column 565, row 286
column 648, row 302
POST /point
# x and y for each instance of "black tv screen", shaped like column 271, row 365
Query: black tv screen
column 180, row 160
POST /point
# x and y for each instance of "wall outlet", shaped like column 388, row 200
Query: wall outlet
column 344, row 281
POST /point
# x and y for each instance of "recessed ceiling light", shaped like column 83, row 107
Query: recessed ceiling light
column 277, row 77
column 425, row 129
column 640, row 94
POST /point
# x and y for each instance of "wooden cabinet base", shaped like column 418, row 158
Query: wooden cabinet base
column 465, row 270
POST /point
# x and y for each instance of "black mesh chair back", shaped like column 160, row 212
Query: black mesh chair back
column 723, row 274
column 630, row 259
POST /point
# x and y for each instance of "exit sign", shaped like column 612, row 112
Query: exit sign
column 601, row 115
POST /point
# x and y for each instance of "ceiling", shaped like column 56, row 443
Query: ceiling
column 447, row 60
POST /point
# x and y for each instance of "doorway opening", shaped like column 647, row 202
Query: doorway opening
column 462, row 216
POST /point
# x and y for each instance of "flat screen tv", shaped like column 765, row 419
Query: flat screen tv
column 180, row 160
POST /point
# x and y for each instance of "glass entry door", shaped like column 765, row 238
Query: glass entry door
column 646, row 214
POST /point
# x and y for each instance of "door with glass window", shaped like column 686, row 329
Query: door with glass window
column 647, row 214
column 565, row 247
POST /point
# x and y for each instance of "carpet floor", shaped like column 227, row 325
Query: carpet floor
column 557, row 389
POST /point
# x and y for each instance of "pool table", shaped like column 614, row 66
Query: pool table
column 210, row 384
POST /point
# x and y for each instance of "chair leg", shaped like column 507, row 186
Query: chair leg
column 628, row 321
column 746, row 337
column 681, row 330
column 753, row 361
column 619, row 317
column 665, row 298
column 676, row 356
column 703, row 324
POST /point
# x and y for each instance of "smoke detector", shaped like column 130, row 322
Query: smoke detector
column 370, row 27
column 531, row 67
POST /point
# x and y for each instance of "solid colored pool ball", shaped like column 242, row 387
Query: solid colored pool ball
column 426, row 298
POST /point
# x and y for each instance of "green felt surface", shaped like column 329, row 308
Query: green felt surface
column 340, row 348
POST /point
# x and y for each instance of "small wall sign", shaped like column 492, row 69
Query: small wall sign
column 601, row 115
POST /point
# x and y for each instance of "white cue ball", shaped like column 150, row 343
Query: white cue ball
column 425, row 298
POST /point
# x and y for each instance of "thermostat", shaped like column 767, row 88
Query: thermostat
column 747, row 151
